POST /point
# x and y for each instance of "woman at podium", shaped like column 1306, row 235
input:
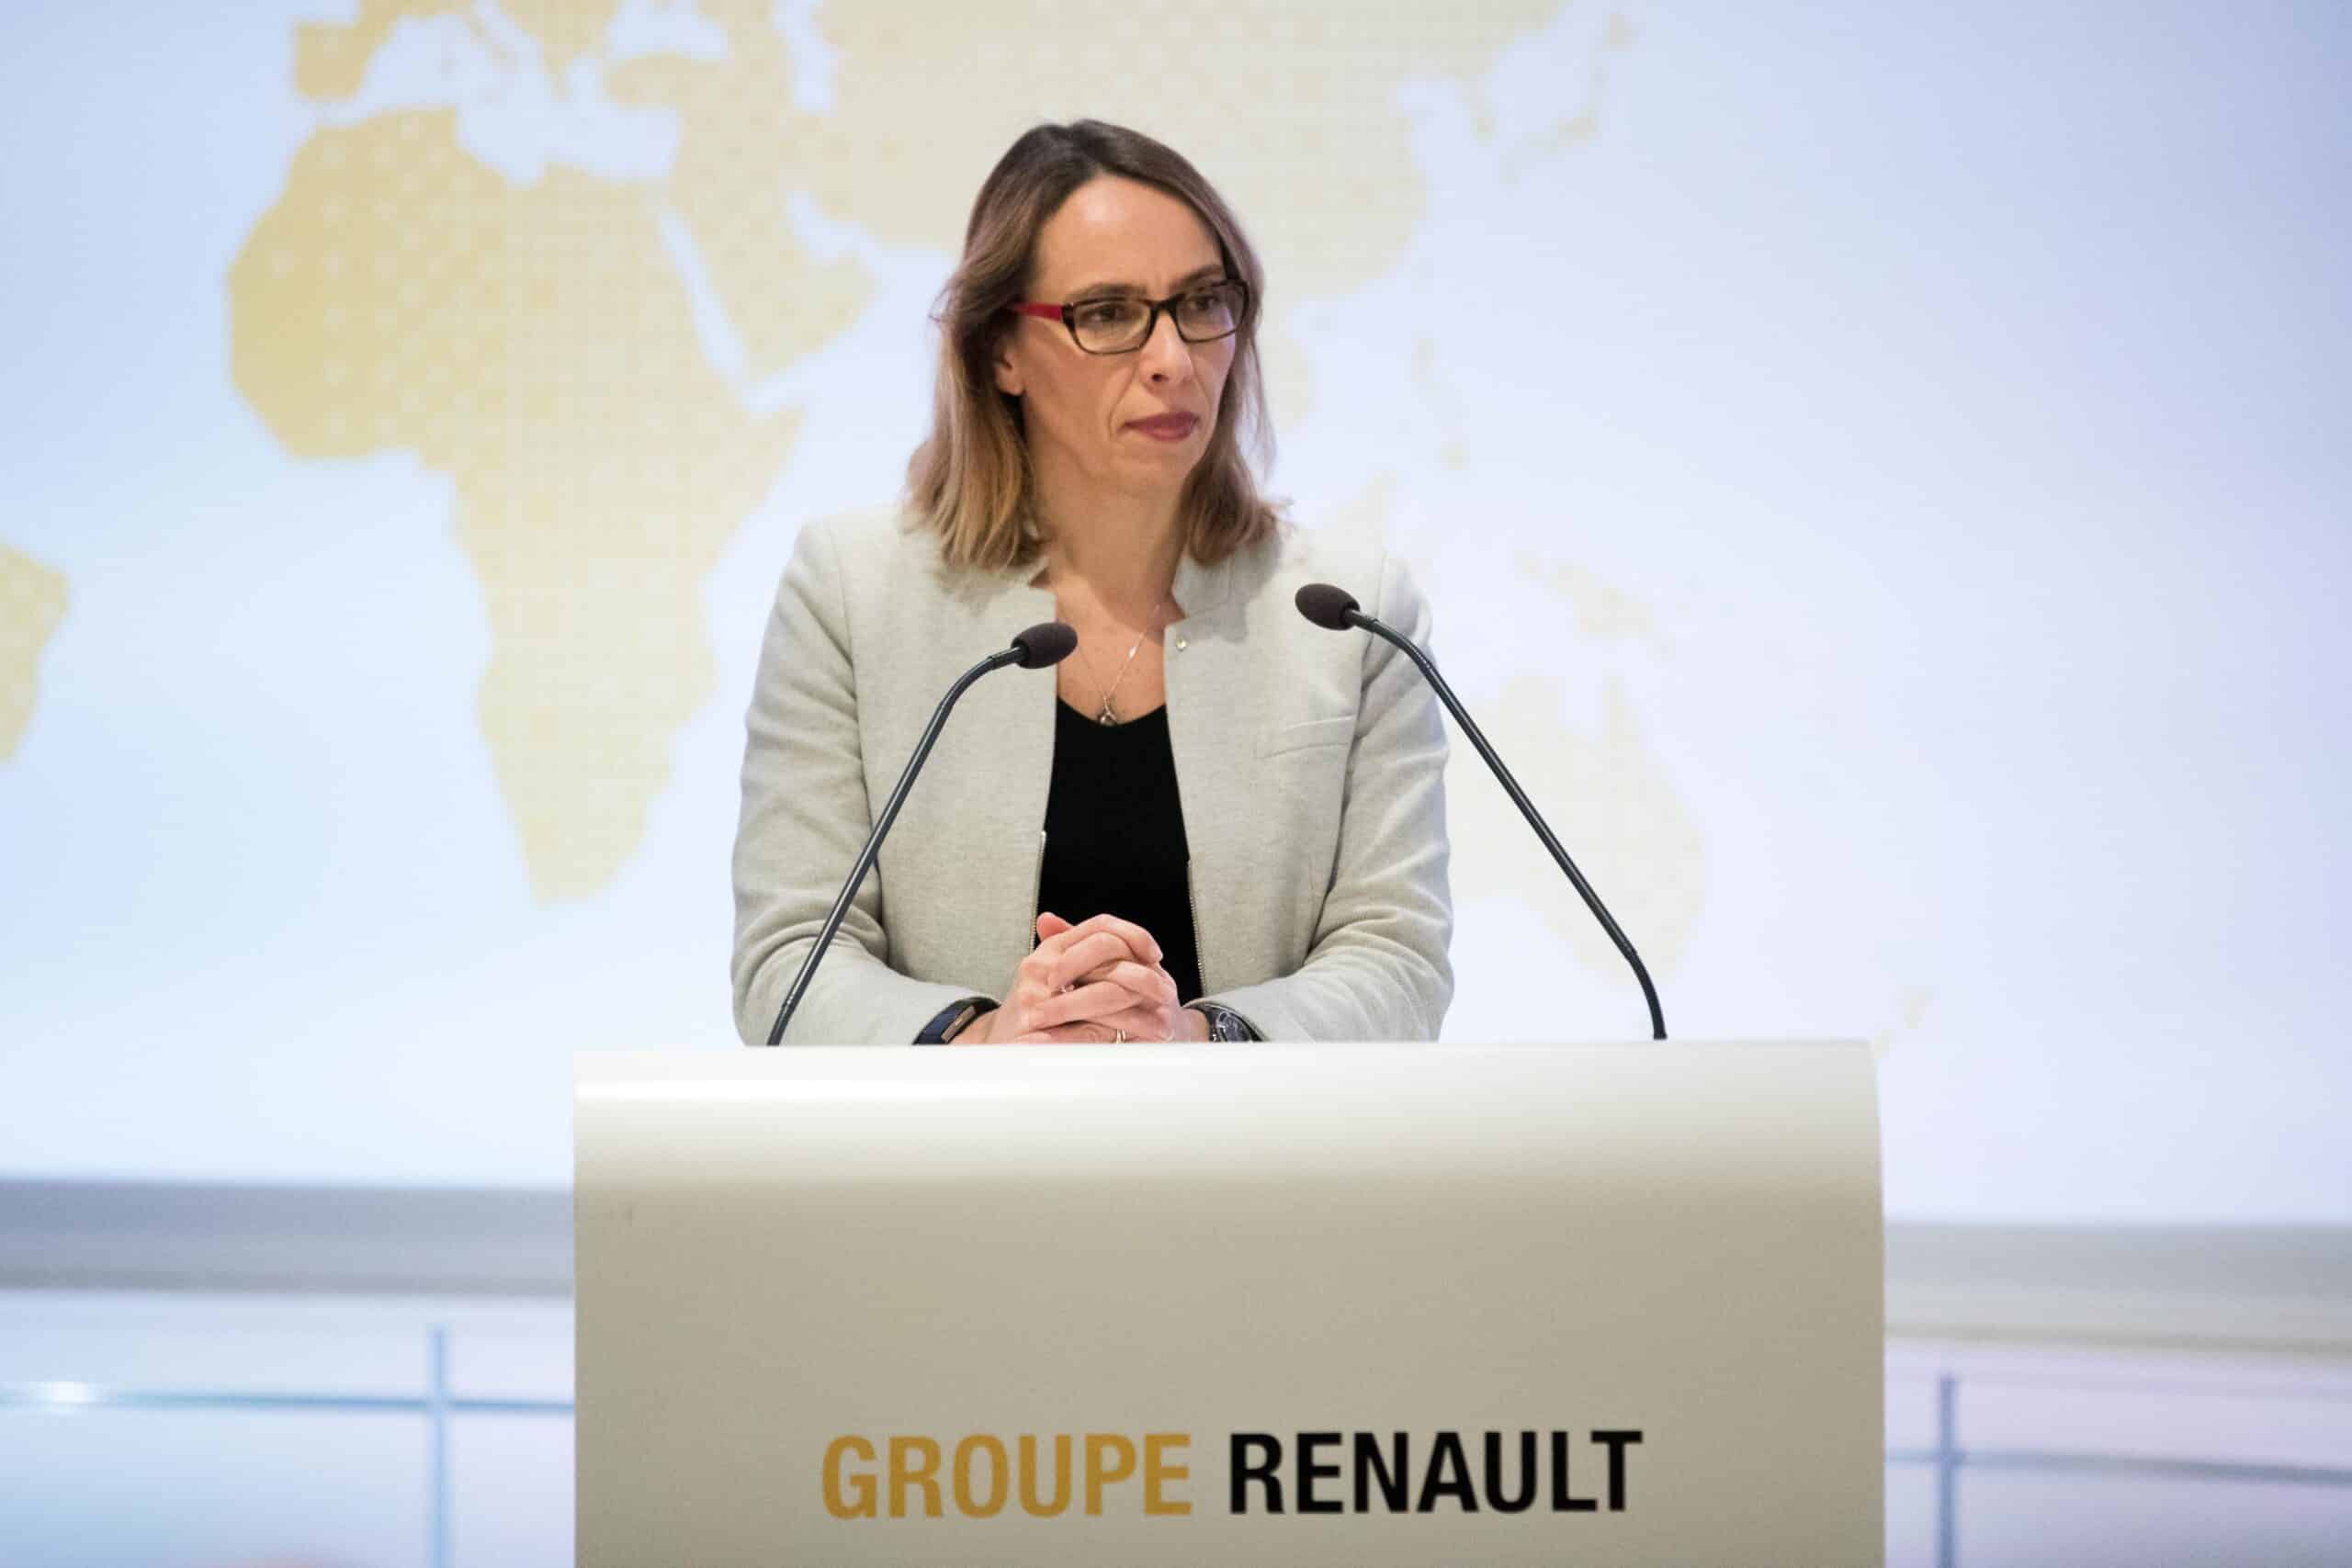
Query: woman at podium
column 1215, row 821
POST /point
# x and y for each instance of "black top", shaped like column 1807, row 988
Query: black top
column 1114, row 835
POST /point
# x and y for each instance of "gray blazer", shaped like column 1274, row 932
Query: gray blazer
column 1310, row 765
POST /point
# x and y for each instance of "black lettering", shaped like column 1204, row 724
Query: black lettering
column 1309, row 1473
column 1264, row 1469
column 1394, row 1478
column 1526, row 1497
column 1563, row 1502
column 1433, row 1485
column 1616, row 1443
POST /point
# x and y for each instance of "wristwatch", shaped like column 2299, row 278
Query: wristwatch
column 952, row 1019
column 1225, row 1026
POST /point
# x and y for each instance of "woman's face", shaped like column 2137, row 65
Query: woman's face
column 1133, row 422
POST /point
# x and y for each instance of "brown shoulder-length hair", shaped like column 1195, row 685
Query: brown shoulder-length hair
column 970, row 481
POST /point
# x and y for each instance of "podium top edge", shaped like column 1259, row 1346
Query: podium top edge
column 691, row 1061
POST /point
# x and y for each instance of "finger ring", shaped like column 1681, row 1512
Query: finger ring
column 1119, row 1037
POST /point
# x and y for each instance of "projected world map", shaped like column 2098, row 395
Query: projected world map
column 1870, row 526
column 581, row 348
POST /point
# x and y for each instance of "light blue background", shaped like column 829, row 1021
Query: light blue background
column 1962, row 389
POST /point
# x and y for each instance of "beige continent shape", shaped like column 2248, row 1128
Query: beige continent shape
column 535, row 343
column 1289, row 107
column 741, row 150
column 330, row 58
column 1602, row 611
column 1614, row 809
column 1608, row 794
column 33, row 603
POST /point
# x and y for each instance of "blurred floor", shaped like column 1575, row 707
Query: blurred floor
column 200, row 1431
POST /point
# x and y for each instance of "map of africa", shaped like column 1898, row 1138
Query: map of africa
column 547, row 342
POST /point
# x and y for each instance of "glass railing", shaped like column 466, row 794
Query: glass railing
column 220, row 1432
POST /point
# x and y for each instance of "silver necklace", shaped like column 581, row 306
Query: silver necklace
column 1109, row 714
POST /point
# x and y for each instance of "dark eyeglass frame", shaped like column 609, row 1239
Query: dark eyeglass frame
column 1067, row 314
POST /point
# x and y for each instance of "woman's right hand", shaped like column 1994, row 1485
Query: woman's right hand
column 1085, row 984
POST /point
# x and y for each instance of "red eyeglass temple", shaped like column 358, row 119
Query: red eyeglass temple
column 1051, row 312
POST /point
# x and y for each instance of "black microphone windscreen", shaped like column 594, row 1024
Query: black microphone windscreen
column 1047, row 642
column 1327, row 606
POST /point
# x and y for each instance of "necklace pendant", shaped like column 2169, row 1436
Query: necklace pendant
column 1107, row 717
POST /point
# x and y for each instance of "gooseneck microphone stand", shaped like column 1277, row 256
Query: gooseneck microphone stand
column 1047, row 643
column 1335, row 609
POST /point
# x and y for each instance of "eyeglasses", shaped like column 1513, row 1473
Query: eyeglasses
column 1122, row 324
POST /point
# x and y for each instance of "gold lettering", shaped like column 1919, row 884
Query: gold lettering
column 982, row 1474
column 904, row 1474
column 998, row 1478
column 1156, row 1471
column 1098, row 1445
column 861, row 1484
column 1029, row 1503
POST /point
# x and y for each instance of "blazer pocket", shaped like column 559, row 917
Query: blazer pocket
column 1277, row 739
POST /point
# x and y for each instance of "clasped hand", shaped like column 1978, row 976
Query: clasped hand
column 1093, row 983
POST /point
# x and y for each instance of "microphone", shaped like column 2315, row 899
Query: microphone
column 1044, row 645
column 1335, row 609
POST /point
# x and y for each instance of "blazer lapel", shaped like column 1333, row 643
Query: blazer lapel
column 1008, row 721
column 1212, row 709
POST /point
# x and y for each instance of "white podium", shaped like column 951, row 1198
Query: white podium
column 1237, row 1304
